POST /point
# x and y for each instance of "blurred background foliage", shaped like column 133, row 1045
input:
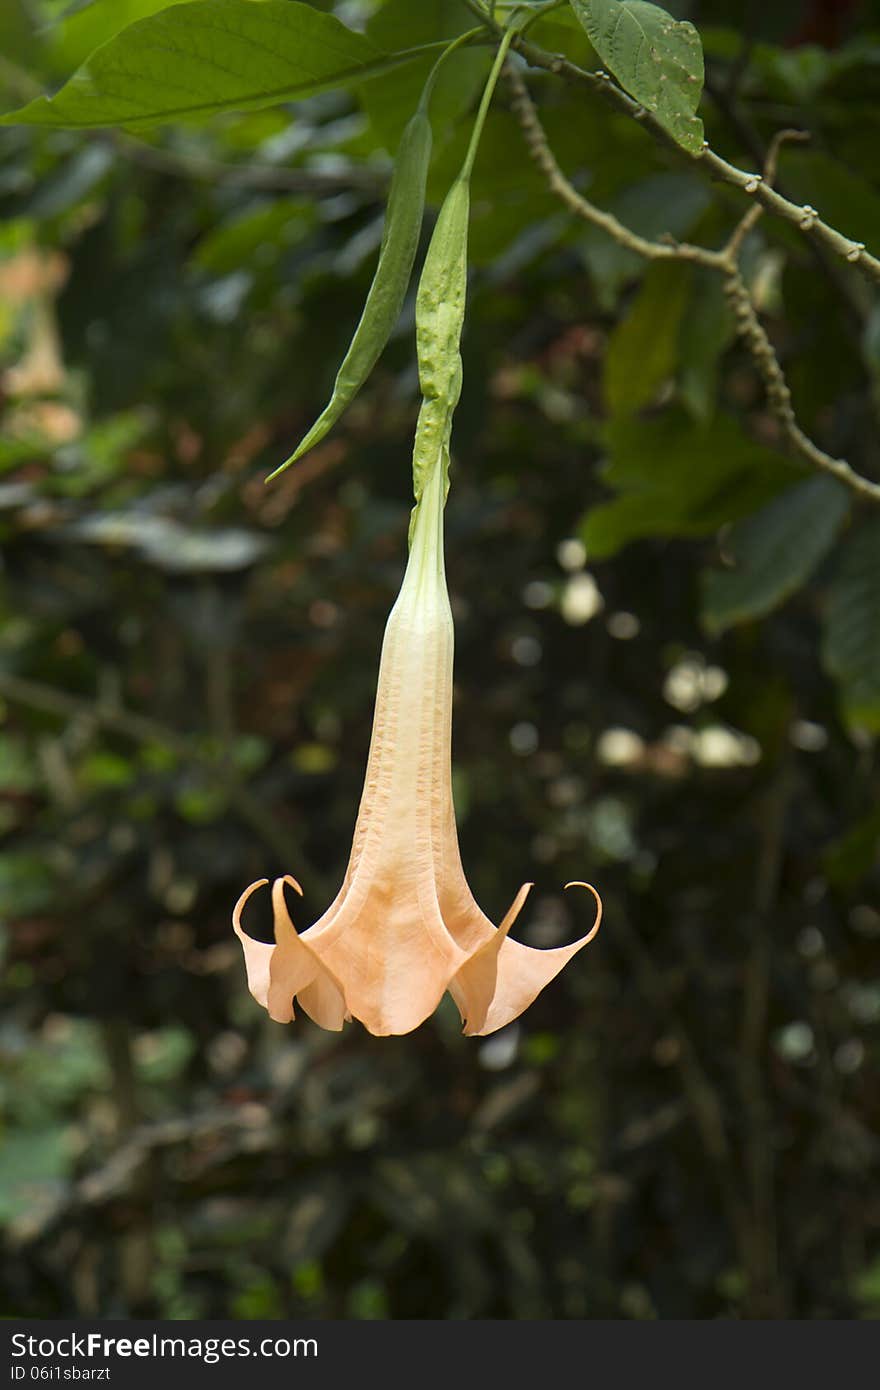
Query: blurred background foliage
column 685, row 1123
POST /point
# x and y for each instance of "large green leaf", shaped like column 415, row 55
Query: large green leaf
column 657, row 59
column 851, row 646
column 643, row 349
column 774, row 552
column 207, row 56
column 676, row 477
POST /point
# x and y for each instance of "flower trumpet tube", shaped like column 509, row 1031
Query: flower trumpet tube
column 404, row 927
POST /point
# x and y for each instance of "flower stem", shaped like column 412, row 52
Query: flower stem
column 428, row 89
column 471, row 155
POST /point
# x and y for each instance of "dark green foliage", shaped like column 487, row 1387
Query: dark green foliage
column 684, row 1124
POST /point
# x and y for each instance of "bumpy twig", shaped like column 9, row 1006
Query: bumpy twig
column 806, row 219
column 543, row 156
column 754, row 335
column 724, row 262
column 753, row 214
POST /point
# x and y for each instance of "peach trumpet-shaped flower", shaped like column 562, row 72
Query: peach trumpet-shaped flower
column 404, row 927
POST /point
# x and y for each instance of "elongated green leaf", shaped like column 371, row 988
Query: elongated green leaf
column 400, row 238
column 657, row 59
column 196, row 59
column 643, row 349
column 774, row 552
column 851, row 647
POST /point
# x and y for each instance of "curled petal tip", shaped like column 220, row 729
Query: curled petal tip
column 503, row 977
column 257, row 954
column 579, row 883
column 239, row 906
column 289, row 878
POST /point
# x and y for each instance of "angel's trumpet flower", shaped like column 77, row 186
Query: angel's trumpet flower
column 404, row 926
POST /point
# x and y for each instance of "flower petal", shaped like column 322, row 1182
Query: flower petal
column 257, row 954
column 387, row 943
column 295, row 970
column 473, row 987
column 276, row 973
column 521, row 973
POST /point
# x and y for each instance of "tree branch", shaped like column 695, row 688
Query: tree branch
column 805, row 218
column 725, row 262
column 754, row 335
column 843, row 284
column 541, row 153
column 753, row 214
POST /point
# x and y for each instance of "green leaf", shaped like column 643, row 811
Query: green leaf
column 851, row 647
column 643, row 349
column 400, row 239
column 197, row 59
column 775, row 552
column 657, row 59
column 676, row 477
